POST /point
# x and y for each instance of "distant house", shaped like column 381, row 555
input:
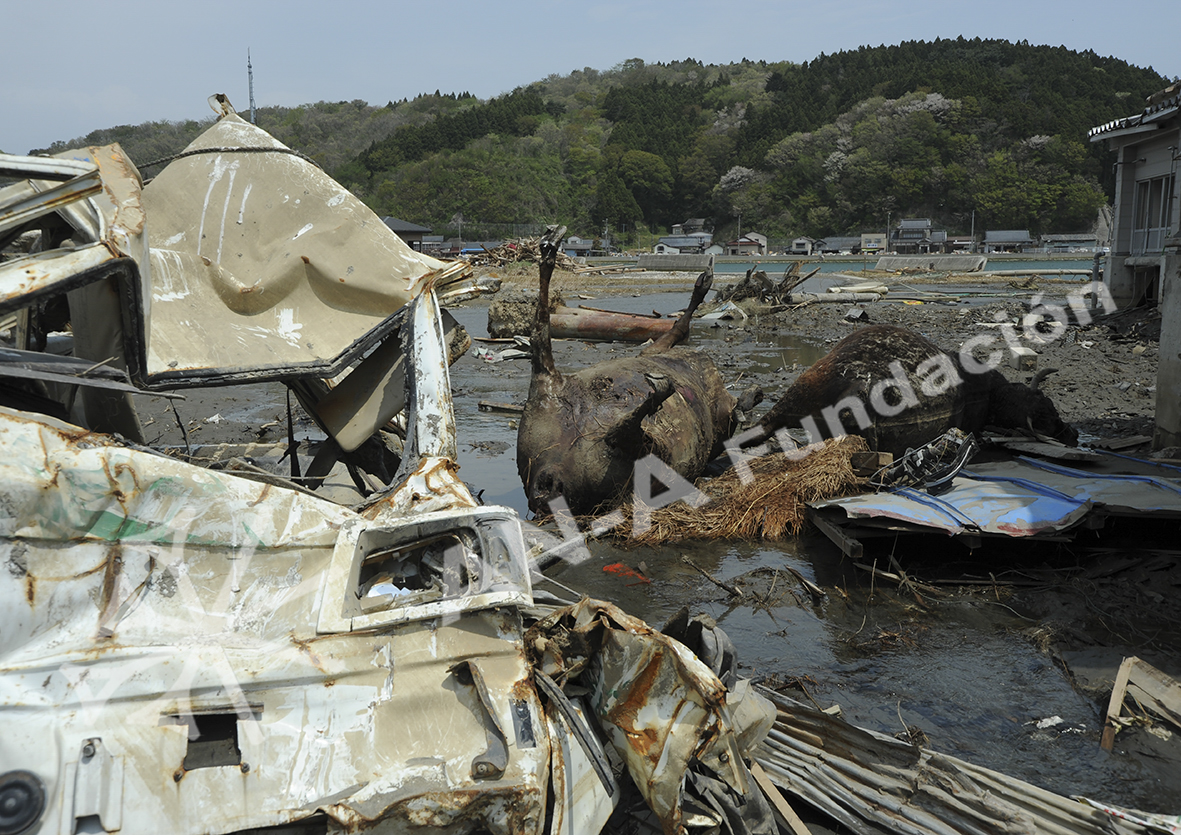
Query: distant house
column 692, row 226
column 916, row 236
column 959, row 243
column 838, row 245
column 752, row 243
column 873, row 241
column 1008, row 240
column 577, row 247
column 1080, row 242
column 411, row 233
column 694, row 244
column 432, row 244
column 1145, row 258
column 802, row 246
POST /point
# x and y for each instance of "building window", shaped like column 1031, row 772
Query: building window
column 1153, row 215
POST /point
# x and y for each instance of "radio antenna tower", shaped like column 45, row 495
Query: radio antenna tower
column 250, row 78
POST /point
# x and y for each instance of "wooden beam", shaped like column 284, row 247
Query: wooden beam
column 778, row 801
column 1107, row 740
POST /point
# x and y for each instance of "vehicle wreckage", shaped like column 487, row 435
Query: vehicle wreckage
column 199, row 650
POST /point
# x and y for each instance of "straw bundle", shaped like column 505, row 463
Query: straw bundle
column 770, row 506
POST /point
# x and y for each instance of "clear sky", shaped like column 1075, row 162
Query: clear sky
column 75, row 67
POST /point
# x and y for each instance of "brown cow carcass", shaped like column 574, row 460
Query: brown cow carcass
column 581, row 434
column 899, row 391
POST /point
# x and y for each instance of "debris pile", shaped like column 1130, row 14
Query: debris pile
column 757, row 285
column 522, row 249
column 760, row 498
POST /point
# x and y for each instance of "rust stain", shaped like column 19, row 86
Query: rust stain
column 304, row 645
column 112, row 569
column 31, row 588
column 524, row 691
column 644, row 741
column 266, row 491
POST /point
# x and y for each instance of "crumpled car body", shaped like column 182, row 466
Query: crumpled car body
column 191, row 650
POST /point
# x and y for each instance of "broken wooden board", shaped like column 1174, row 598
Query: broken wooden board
column 1151, row 689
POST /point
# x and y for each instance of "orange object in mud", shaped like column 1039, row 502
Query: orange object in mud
column 621, row 570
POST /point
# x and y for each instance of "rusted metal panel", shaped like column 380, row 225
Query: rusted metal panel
column 666, row 714
column 101, row 204
column 211, row 654
column 28, row 279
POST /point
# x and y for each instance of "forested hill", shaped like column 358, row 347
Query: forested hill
column 831, row 146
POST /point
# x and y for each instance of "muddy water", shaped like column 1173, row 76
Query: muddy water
column 962, row 670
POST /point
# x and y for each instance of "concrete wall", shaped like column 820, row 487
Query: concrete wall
column 959, row 263
column 1168, row 374
column 674, row 263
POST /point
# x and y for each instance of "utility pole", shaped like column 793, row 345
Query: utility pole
column 250, row 79
column 887, row 233
column 973, row 246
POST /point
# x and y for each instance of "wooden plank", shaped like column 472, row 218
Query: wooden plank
column 1156, row 691
column 1107, row 740
column 778, row 801
column 849, row 546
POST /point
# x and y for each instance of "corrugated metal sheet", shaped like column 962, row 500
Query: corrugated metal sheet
column 1019, row 498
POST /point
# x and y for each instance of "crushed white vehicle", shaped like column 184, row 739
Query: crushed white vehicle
column 190, row 650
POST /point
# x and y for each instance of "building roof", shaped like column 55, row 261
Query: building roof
column 1165, row 106
column 404, row 226
column 679, row 241
column 914, row 223
column 839, row 242
column 1073, row 236
column 1007, row 236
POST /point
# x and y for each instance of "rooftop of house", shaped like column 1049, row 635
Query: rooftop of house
column 681, row 240
column 1067, row 237
column 840, row 242
column 398, row 225
column 1007, row 236
column 1161, row 106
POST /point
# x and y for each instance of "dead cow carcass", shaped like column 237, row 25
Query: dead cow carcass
column 901, row 390
column 581, row 434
